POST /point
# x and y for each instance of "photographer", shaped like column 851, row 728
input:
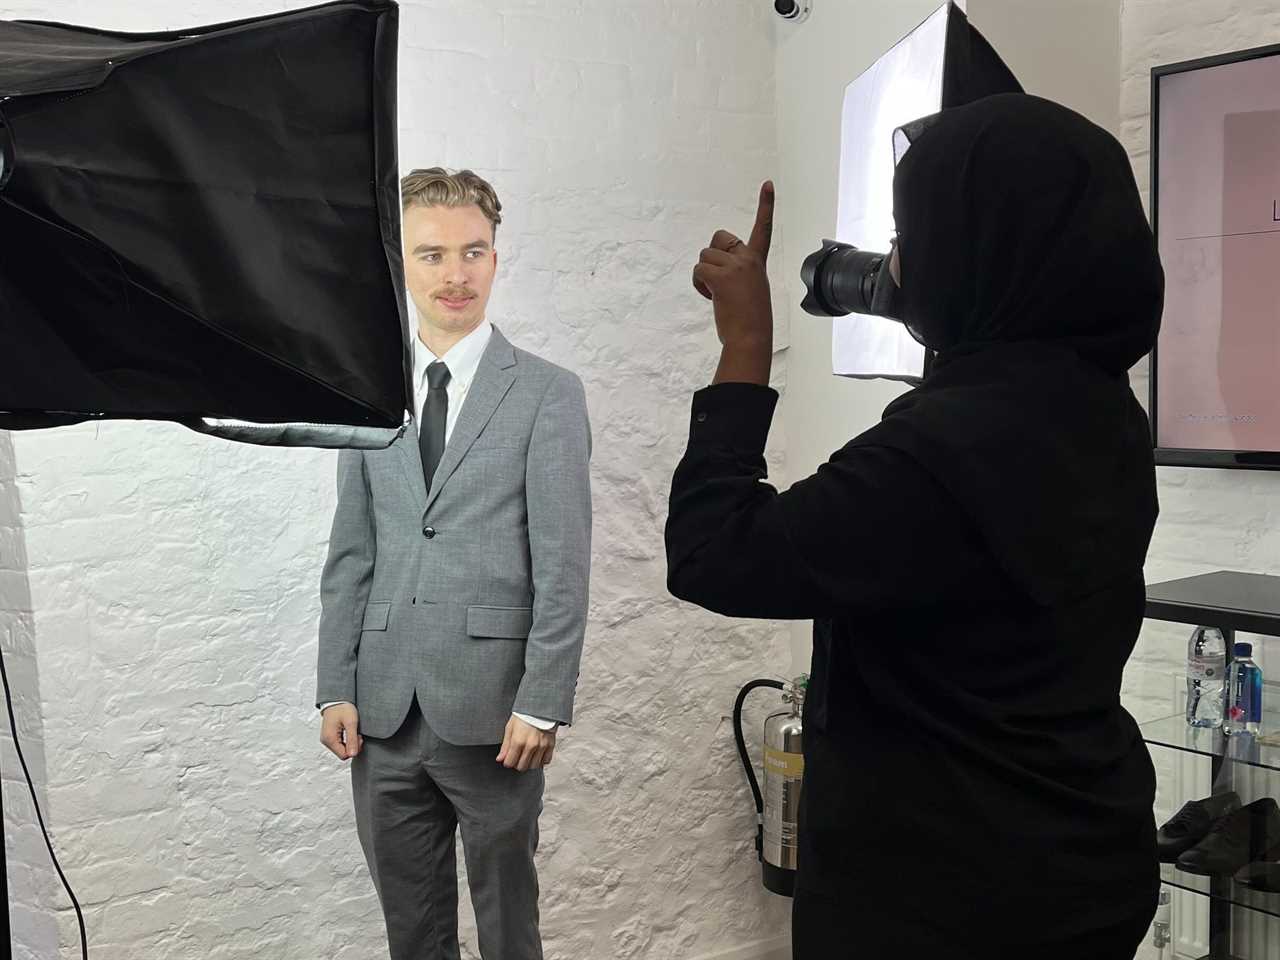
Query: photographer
column 973, row 563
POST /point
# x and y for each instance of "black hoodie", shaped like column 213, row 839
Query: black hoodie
column 1028, row 265
column 972, row 563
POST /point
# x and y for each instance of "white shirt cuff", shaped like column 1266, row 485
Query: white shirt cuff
column 537, row 721
column 533, row 721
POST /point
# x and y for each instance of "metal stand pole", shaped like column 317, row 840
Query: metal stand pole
column 1219, row 886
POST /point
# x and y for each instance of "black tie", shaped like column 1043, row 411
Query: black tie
column 435, row 411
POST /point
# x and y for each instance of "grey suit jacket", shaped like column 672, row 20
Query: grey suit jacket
column 472, row 593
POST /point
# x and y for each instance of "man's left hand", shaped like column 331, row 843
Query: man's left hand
column 525, row 746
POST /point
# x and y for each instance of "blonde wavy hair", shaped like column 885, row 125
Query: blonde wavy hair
column 437, row 187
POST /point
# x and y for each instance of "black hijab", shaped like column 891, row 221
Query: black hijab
column 1028, row 265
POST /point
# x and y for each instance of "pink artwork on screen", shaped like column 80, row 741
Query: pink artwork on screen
column 1247, row 348
column 1218, row 374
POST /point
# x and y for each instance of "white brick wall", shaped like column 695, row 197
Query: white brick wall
column 31, row 878
column 173, row 577
column 163, row 685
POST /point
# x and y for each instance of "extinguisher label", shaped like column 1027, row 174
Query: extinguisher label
column 782, row 763
column 783, row 781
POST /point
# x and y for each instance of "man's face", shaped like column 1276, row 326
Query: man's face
column 449, row 263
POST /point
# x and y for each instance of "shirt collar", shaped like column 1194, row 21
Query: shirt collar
column 462, row 359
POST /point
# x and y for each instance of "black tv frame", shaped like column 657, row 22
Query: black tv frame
column 1174, row 456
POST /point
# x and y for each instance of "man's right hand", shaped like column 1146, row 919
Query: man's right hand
column 338, row 730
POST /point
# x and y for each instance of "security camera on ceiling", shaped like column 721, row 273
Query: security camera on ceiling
column 795, row 10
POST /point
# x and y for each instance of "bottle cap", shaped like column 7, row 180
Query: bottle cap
column 1244, row 649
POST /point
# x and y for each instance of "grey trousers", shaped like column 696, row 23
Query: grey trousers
column 412, row 790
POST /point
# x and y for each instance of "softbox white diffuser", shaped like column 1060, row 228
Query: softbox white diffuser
column 942, row 63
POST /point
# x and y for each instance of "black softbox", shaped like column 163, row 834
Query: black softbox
column 203, row 226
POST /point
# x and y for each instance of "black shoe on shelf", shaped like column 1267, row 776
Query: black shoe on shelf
column 1250, row 833
column 1260, row 876
column 1192, row 823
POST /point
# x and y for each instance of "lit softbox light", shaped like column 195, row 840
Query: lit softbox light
column 943, row 63
column 203, row 226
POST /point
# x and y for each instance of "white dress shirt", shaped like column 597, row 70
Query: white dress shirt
column 463, row 360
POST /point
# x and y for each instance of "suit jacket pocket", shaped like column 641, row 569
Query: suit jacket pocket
column 511, row 622
column 376, row 613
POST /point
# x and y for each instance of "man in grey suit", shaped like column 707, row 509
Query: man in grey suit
column 454, row 598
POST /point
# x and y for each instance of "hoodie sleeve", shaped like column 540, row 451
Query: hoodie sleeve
column 870, row 530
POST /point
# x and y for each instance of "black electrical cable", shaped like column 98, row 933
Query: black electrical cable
column 13, row 727
column 746, row 758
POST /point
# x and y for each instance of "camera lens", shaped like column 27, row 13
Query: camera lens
column 786, row 8
column 840, row 279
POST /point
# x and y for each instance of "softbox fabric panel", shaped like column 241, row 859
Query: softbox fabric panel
column 944, row 62
column 204, row 226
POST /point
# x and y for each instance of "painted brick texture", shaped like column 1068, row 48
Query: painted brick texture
column 167, row 653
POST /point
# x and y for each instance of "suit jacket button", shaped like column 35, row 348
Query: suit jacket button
column 428, row 532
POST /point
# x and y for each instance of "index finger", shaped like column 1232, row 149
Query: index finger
column 762, row 232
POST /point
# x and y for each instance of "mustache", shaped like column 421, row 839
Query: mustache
column 452, row 294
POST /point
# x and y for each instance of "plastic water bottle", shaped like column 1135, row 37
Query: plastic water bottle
column 1206, row 677
column 1244, row 715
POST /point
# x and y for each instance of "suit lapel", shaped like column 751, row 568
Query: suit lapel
column 494, row 377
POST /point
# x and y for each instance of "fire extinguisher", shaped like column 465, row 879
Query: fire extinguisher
column 777, row 812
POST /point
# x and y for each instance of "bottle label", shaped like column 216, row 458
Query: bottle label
column 1205, row 668
column 1246, row 694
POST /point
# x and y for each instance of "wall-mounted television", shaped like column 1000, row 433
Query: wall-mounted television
column 1215, row 208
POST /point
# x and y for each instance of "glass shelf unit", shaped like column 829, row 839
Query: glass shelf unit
column 1175, row 733
column 1222, row 888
